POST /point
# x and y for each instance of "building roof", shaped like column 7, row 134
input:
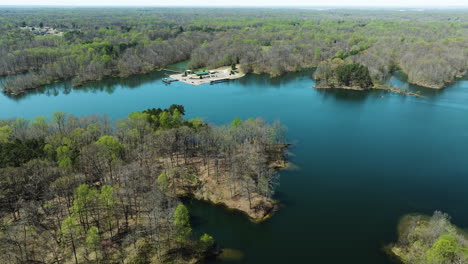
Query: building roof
column 202, row 73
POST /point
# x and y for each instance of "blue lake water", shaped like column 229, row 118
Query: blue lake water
column 363, row 159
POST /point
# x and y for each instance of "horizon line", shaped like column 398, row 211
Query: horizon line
column 248, row 6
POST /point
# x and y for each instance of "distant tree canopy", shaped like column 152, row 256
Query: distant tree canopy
column 429, row 47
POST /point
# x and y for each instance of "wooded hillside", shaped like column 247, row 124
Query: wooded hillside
column 430, row 47
column 81, row 190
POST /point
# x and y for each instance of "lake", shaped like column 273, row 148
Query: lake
column 362, row 159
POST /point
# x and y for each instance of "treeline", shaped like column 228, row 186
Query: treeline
column 431, row 51
column 429, row 47
column 430, row 240
column 87, row 190
column 84, row 62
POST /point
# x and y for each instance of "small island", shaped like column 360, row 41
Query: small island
column 429, row 240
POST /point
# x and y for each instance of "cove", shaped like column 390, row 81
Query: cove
column 364, row 158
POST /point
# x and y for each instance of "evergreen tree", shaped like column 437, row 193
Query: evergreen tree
column 182, row 223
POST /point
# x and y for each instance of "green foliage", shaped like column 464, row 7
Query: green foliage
column 93, row 239
column 444, row 250
column 172, row 117
column 338, row 74
column 206, row 242
column 163, row 181
column 182, row 223
column 17, row 152
column 165, row 120
column 196, row 122
column 137, row 122
column 110, row 147
column 5, row 134
column 190, row 177
column 64, row 157
column 433, row 240
column 108, row 201
column 69, row 229
column 39, row 124
column 353, row 75
column 318, row 53
column 179, row 108
column 177, row 118
column 107, row 196
column 237, row 122
column 340, row 54
column 85, row 197
column 49, row 152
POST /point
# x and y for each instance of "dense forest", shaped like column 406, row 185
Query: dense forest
column 430, row 47
column 88, row 190
column 430, row 240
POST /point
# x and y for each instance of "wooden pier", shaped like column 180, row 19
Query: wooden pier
column 219, row 81
column 169, row 80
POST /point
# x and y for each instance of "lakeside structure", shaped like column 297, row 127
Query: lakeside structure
column 43, row 31
column 211, row 76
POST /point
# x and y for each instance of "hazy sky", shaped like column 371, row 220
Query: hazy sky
column 394, row 3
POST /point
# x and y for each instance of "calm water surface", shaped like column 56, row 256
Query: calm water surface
column 364, row 158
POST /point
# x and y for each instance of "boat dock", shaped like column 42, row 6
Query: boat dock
column 169, row 80
column 219, row 81
column 219, row 75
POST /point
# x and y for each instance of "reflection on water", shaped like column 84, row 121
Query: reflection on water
column 180, row 66
column 399, row 81
column 340, row 94
column 108, row 85
column 263, row 81
column 231, row 255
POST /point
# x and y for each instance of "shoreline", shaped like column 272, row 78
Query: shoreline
column 376, row 87
column 418, row 234
column 353, row 88
column 240, row 75
column 219, row 191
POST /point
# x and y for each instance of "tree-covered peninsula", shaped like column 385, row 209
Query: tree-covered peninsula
column 337, row 74
column 88, row 190
column 430, row 240
column 41, row 46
